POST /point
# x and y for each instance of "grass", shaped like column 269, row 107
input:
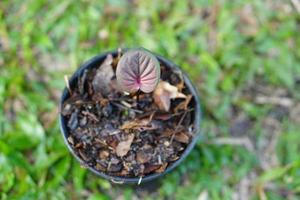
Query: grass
column 244, row 57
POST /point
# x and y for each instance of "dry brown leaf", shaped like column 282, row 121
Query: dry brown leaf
column 163, row 94
column 144, row 155
column 141, row 125
column 112, row 143
column 103, row 154
column 151, row 168
column 162, row 168
column 167, row 133
column 183, row 105
column 124, row 146
column 102, row 79
column 182, row 137
column 134, row 124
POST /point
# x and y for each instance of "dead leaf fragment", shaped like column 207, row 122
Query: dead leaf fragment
column 102, row 79
column 103, row 154
column 167, row 133
column 145, row 154
column 182, row 137
column 151, row 168
column 134, row 124
column 163, row 94
column 183, row 105
column 162, row 168
column 124, row 146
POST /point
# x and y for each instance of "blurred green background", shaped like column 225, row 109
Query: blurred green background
column 243, row 55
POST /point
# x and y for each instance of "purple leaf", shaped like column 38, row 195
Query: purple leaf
column 137, row 70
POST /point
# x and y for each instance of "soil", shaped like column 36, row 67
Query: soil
column 114, row 134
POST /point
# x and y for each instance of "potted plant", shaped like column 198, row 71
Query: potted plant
column 130, row 116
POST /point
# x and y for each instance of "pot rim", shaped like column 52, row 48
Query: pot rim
column 96, row 61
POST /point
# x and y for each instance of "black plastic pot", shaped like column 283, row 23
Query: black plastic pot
column 95, row 62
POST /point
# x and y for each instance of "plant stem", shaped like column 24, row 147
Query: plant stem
column 138, row 99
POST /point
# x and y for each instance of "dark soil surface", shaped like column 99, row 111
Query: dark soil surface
column 114, row 134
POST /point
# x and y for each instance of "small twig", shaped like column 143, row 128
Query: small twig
column 179, row 113
column 138, row 99
column 109, row 165
column 126, row 104
column 171, row 115
column 180, row 121
column 177, row 126
column 100, row 141
column 94, row 117
column 146, row 114
column 152, row 115
column 68, row 84
column 124, row 107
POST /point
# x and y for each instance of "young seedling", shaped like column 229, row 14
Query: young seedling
column 138, row 70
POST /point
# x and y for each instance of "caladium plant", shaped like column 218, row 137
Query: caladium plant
column 138, row 70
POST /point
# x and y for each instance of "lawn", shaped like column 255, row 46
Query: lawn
column 243, row 56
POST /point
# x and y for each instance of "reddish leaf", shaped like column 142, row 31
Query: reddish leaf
column 137, row 70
